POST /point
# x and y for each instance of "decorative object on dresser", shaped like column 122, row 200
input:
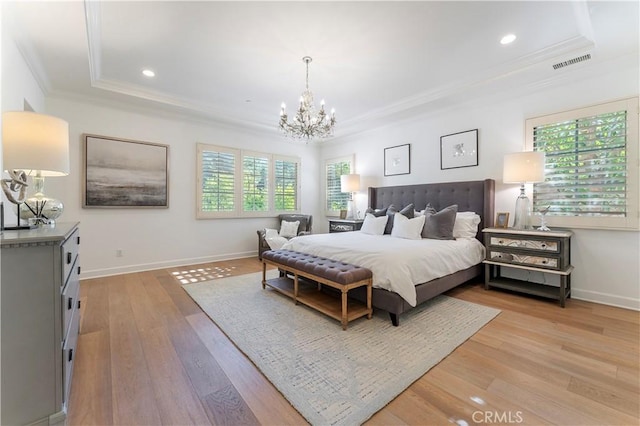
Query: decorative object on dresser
column 345, row 225
column 459, row 150
column 40, row 321
column 350, row 183
column 36, row 145
column 307, row 124
column 546, row 252
column 121, row 173
column 502, row 220
column 286, row 222
column 397, row 160
column 523, row 168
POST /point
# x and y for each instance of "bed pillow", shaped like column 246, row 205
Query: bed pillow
column 466, row 225
column 374, row 225
column 289, row 229
column 391, row 210
column 439, row 226
column 376, row 213
column 403, row 227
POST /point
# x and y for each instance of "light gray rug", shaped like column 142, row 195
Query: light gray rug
column 329, row 375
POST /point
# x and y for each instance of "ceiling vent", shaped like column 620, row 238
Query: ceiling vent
column 572, row 61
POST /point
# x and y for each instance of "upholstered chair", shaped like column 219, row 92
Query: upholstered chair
column 303, row 229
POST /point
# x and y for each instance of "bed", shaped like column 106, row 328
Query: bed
column 472, row 196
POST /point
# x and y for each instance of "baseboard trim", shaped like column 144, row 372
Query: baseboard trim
column 107, row 272
column 606, row 299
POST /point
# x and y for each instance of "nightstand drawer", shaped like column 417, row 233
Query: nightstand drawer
column 542, row 245
column 527, row 260
column 344, row 225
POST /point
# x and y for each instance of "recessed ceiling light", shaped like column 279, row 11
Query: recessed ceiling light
column 509, row 38
column 148, row 73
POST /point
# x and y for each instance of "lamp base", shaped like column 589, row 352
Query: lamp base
column 351, row 210
column 522, row 217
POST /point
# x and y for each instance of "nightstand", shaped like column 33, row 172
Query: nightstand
column 540, row 251
column 345, row 225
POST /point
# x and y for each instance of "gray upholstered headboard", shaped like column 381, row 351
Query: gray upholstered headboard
column 477, row 196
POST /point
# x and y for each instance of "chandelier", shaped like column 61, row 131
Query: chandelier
column 307, row 124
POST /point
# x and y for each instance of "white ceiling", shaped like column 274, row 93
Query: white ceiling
column 236, row 62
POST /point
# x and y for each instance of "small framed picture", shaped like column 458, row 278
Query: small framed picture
column 502, row 220
column 397, row 160
column 343, row 214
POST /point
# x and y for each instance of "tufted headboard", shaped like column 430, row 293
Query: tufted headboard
column 477, row 196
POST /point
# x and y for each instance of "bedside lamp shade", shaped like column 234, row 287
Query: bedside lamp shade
column 37, row 144
column 523, row 167
column 350, row 183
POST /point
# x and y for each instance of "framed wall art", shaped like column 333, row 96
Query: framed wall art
column 397, row 160
column 459, row 150
column 120, row 173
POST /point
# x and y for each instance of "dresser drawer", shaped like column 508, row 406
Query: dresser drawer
column 70, row 296
column 69, row 354
column 70, row 250
column 531, row 244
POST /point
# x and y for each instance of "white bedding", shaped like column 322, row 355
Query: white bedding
column 397, row 264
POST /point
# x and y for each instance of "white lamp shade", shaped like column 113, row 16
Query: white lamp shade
column 350, row 183
column 35, row 142
column 523, row 167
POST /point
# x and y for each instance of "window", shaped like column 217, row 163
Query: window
column 336, row 200
column 236, row 183
column 591, row 177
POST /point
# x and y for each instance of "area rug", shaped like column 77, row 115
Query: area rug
column 331, row 376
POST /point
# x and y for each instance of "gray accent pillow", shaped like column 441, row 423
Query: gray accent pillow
column 391, row 211
column 376, row 213
column 439, row 226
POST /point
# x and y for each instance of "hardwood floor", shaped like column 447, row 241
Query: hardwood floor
column 147, row 355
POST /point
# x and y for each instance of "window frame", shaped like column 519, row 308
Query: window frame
column 344, row 159
column 239, row 156
column 632, row 219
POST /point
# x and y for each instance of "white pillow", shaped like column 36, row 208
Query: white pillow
column 404, row 227
column 374, row 225
column 466, row 225
column 289, row 229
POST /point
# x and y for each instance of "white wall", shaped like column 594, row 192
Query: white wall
column 606, row 262
column 155, row 238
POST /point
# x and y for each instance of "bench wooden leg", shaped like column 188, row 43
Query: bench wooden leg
column 295, row 288
column 369, row 290
column 264, row 275
column 344, row 309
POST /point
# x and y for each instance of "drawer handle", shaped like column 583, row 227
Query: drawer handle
column 69, row 303
column 78, row 304
column 68, row 257
column 543, row 245
column 70, row 355
column 78, row 270
column 500, row 242
column 78, row 241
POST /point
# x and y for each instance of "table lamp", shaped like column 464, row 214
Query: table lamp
column 522, row 168
column 37, row 144
column 351, row 184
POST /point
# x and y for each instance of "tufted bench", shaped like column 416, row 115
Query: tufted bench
column 339, row 275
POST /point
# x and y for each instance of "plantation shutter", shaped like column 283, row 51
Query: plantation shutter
column 336, row 199
column 286, row 185
column 586, row 166
column 255, row 183
column 218, row 181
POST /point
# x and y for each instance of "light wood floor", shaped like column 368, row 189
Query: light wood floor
column 147, row 355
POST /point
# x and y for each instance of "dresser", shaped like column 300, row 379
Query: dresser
column 345, row 225
column 529, row 250
column 40, row 320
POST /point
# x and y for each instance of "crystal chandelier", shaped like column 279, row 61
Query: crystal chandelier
column 307, row 124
